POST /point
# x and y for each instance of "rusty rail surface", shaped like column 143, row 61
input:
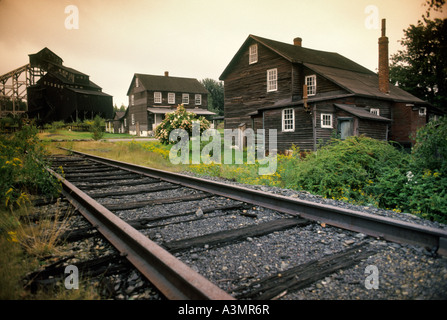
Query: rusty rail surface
column 171, row 276
column 369, row 224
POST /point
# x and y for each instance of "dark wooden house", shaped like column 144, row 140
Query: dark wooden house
column 310, row 95
column 63, row 93
column 152, row 96
column 117, row 123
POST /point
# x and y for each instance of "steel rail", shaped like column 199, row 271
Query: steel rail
column 171, row 276
column 369, row 224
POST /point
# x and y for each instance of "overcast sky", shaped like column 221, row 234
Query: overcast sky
column 189, row 38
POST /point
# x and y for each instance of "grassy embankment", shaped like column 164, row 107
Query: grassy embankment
column 357, row 170
column 29, row 242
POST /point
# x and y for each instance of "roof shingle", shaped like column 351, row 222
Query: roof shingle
column 168, row 83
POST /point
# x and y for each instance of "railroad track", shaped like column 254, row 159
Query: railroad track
column 199, row 239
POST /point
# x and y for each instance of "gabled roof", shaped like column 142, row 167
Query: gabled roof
column 119, row 114
column 46, row 55
column 91, row 85
column 349, row 75
column 168, row 83
column 73, row 71
column 298, row 54
column 362, row 84
column 89, row 92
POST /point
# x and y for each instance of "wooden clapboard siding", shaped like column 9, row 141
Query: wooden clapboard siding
column 140, row 117
column 324, row 134
column 323, row 84
column 149, row 99
column 373, row 129
column 367, row 103
column 302, row 136
column 246, row 86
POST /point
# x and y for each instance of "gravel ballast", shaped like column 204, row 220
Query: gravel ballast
column 402, row 271
column 391, row 271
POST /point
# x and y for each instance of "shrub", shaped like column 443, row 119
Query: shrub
column 55, row 126
column 420, row 187
column 343, row 169
column 180, row 119
column 366, row 171
column 97, row 128
column 430, row 150
column 22, row 160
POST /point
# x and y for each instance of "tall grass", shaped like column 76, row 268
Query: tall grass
column 146, row 153
column 25, row 242
column 43, row 238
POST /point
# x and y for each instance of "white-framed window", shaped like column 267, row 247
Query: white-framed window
column 288, row 120
column 185, row 98
column 137, row 83
column 375, row 111
column 132, row 100
column 198, row 99
column 422, row 111
column 132, row 119
column 272, row 80
column 157, row 97
column 253, row 54
column 326, row 120
column 311, row 82
column 171, row 98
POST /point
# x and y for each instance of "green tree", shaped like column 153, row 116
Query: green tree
column 420, row 68
column 430, row 150
column 436, row 5
column 122, row 108
column 216, row 97
column 97, row 128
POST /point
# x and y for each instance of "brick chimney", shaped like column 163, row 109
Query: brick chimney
column 384, row 70
column 166, row 73
column 297, row 41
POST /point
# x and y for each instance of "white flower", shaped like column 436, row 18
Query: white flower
column 410, row 175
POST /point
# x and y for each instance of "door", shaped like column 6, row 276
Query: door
column 345, row 128
column 158, row 118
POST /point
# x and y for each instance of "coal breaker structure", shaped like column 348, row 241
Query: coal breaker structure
column 55, row 92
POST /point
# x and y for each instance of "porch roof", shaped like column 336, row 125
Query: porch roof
column 360, row 112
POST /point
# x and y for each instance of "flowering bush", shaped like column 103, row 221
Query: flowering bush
column 180, row 119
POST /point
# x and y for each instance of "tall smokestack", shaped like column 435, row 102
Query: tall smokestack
column 384, row 70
